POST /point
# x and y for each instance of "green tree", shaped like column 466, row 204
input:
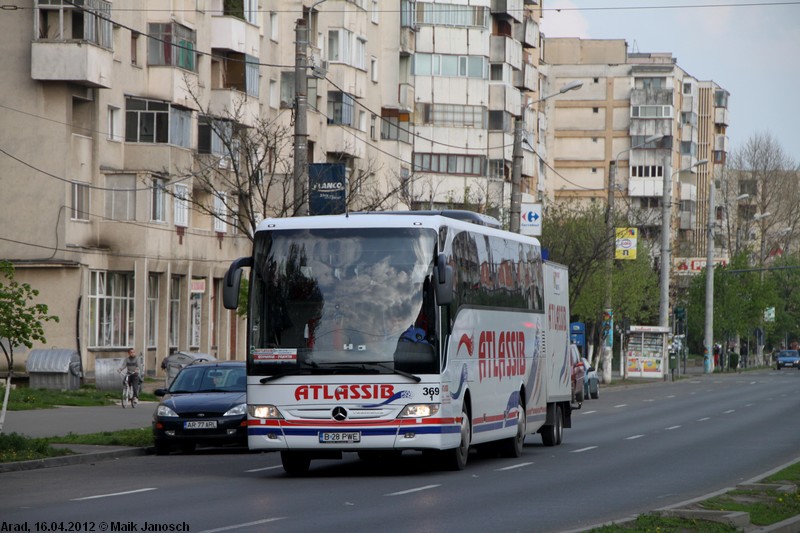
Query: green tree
column 21, row 322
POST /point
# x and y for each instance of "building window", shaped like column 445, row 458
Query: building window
column 174, row 310
column 181, row 205
column 372, row 127
column 152, row 310
column 135, row 48
column 274, row 101
column 88, row 20
column 453, row 15
column 158, row 200
column 450, row 164
column 196, row 314
column 455, row 115
column 340, row 108
column 451, row 66
column 115, row 124
column 651, row 111
column 339, row 42
column 273, row 27
column 220, row 212
column 151, row 121
column 172, row 45
column 373, row 69
column 235, row 77
column 80, row 201
column 243, row 9
column 360, row 53
column 721, row 98
column 374, row 11
column 120, row 197
column 647, row 171
column 111, row 309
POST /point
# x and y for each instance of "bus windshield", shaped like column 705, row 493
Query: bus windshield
column 334, row 299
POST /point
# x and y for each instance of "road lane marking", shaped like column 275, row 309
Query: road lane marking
column 584, row 449
column 704, row 419
column 262, row 469
column 672, row 427
column 634, row 437
column 512, row 467
column 729, row 411
column 409, row 491
column 588, row 412
column 649, row 400
column 621, row 405
column 112, row 494
column 248, row 524
column 671, row 396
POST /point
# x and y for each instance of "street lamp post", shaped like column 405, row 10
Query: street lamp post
column 666, row 237
column 516, row 170
column 611, row 235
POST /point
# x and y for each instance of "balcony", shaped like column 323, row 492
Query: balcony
column 505, row 50
column 526, row 78
column 170, row 84
column 73, row 61
column 405, row 97
column 408, row 40
column 527, row 33
column 651, row 97
column 504, row 98
column 513, row 9
column 645, row 187
column 232, row 33
column 720, row 143
column 233, row 103
column 344, row 141
column 721, row 116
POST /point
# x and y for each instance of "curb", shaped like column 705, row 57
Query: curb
column 104, row 454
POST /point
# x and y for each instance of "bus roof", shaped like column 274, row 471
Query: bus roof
column 464, row 220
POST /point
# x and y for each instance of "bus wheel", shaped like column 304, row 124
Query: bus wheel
column 512, row 447
column 295, row 463
column 456, row 459
column 551, row 433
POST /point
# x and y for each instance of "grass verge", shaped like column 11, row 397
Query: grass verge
column 15, row 447
column 24, row 398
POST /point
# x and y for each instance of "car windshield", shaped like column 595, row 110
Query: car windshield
column 209, row 379
column 789, row 353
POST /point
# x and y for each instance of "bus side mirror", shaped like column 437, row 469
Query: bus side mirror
column 443, row 281
column 232, row 281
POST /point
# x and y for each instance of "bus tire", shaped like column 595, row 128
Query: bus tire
column 552, row 433
column 295, row 463
column 512, row 447
column 456, row 459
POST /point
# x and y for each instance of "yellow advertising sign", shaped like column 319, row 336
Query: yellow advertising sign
column 625, row 243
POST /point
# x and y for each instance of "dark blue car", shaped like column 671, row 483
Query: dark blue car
column 205, row 405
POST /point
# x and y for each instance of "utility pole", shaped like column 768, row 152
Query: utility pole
column 516, row 157
column 300, row 176
column 708, row 359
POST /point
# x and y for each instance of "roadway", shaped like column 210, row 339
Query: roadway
column 635, row 449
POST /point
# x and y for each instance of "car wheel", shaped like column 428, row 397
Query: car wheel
column 456, row 459
column 596, row 392
column 295, row 463
column 512, row 447
column 552, row 433
column 162, row 448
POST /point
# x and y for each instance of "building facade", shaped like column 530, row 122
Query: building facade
column 129, row 162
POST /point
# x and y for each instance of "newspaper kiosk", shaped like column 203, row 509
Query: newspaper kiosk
column 646, row 354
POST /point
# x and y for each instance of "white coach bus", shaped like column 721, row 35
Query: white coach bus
column 384, row 332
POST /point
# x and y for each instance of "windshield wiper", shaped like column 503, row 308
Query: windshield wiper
column 360, row 364
column 292, row 372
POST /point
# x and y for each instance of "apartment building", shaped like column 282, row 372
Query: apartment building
column 127, row 125
column 638, row 120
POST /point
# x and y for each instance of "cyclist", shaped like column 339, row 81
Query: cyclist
column 131, row 368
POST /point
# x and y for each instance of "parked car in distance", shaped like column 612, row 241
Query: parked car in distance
column 578, row 372
column 591, row 382
column 788, row 359
column 204, row 405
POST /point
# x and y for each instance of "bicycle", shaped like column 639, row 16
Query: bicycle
column 128, row 390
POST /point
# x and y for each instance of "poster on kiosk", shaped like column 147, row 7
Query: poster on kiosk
column 646, row 353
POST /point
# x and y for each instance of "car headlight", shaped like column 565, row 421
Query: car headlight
column 163, row 410
column 237, row 411
column 419, row 410
column 263, row 411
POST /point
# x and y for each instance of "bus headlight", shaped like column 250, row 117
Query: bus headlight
column 263, row 411
column 419, row 410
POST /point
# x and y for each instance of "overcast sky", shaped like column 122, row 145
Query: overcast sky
column 750, row 48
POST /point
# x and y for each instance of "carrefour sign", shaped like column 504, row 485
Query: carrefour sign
column 531, row 220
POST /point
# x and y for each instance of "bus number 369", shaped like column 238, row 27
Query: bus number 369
column 430, row 392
